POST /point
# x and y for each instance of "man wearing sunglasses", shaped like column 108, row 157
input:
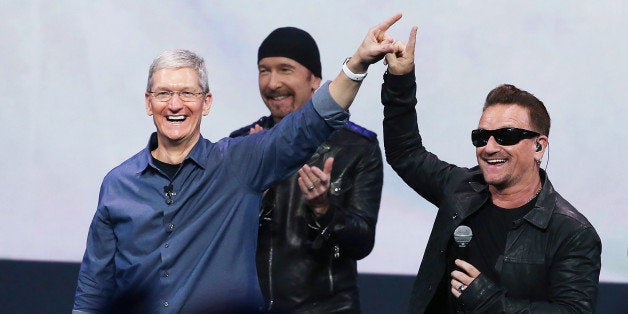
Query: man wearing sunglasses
column 531, row 251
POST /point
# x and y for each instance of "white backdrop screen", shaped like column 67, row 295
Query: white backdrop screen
column 73, row 76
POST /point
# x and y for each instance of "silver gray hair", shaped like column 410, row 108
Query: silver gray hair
column 176, row 59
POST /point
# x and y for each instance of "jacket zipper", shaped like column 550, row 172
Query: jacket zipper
column 271, row 298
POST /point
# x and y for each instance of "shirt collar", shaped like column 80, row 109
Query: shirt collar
column 198, row 154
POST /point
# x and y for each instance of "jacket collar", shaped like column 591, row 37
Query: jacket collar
column 543, row 209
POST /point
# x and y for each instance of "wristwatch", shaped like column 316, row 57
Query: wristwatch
column 351, row 75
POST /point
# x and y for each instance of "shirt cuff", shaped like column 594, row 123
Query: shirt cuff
column 328, row 108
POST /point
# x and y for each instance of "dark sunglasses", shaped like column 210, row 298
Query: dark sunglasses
column 503, row 136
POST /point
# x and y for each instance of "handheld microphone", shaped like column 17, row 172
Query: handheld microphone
column 462, row 236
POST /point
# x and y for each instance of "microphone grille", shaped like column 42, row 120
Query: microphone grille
column 463, row 235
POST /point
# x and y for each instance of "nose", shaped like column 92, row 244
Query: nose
column 175, row 102
column 491, row 145
column 274, row 80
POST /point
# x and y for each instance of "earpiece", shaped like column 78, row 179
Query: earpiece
column 538, row 147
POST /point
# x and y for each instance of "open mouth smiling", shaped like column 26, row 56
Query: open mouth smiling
column 495, row 161
column 279, row 97
column 175, row 118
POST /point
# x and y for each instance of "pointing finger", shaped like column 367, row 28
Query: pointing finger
column 412, row 41
column 381, row 28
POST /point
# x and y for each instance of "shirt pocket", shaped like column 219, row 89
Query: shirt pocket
column 524, row 271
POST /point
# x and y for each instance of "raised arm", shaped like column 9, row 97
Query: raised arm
column 421, row 170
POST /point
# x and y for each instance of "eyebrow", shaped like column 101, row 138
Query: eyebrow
column 281, row 65
column 183, row 89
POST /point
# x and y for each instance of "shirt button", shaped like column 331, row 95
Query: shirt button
column 167, row 245
column 170, row 227
column 455, row 216
column 169, row 201
column 166, row 274
column 166, row 303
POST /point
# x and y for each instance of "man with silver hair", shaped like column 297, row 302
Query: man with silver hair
column 175, row 229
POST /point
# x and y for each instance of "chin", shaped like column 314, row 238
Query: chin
column 500, row 183
column 494, row 180
column 175, row 137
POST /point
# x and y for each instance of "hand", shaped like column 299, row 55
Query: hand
column 255, row 129
column 465, row 278
column 314, row 184
column 401, row 61
column 375, row 46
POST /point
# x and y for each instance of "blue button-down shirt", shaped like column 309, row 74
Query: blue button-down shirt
column 191, row 247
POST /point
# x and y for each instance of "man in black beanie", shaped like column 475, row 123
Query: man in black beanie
column 315, row 225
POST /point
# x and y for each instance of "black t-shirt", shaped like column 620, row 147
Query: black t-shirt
column 490, row 226
column 169, row 169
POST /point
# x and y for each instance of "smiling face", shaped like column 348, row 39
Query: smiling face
column 285, row 85
column 178, row 122
column 516, row 165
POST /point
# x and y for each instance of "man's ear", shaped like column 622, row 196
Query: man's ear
column 315, row 82
column 540, row 146
column 207, row 103
column 149, row 108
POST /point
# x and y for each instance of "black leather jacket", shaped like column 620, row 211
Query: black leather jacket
column 308, row 265
column 551, row 262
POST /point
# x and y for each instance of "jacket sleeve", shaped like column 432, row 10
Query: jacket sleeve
column 349, row 225
column 405, row 153
column 573, row 282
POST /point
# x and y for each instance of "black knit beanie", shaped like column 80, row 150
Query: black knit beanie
column 293, row 43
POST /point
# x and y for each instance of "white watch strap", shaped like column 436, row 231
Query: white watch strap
column 351, row 75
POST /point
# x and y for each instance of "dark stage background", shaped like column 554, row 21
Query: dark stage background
column 45, row 287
